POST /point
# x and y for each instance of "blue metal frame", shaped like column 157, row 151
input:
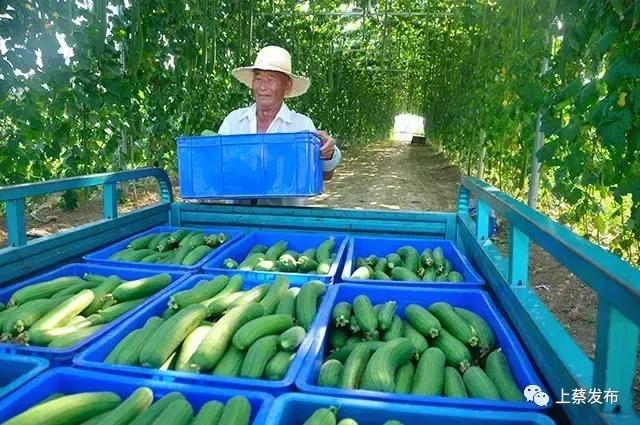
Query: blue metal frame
column 562, row 362
column 17, row 260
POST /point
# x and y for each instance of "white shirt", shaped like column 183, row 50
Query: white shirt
column 244, row 121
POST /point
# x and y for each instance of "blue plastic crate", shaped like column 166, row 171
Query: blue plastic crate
column 297, row 241
column 250, row 166
column 102, row 256
column 15, row 371
column 294, row 409
column 93, row 357
column 63, row 356
column 360, row 246
column 475, row 300
column 71, row 381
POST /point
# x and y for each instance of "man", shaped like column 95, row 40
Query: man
column 271, row 80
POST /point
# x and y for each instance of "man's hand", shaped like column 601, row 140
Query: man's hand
column 327, row 145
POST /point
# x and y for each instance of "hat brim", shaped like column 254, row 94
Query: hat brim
column 300, row 85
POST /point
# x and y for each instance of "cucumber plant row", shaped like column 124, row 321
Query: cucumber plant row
column 439, row 350
column 181, row 247
column 407, row 265
column 218, row 328
column 330, row 416
column 278, row 258
column 140, row 408
column 64, row 311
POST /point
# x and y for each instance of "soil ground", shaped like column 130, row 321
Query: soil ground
column 395, row 176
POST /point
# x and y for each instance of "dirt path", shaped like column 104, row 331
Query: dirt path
column 394, row 176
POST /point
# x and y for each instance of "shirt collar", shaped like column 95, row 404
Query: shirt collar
column 284, row 113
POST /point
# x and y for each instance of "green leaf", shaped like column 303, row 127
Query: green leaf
column 547, row 151
column 613, row 129
column 567, row 93
column 634, row 97
column 588, row 96
column 618, row 6
column 622, row 69
column 532, row 95
column 571, row 131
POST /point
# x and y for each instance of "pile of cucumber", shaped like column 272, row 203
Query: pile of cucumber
column 439, row 350
column 278, row 258
column 108, row 408
column 61, row 312
column 407, row 265
column 329, row 416
column 183, row 247
column 216, row 327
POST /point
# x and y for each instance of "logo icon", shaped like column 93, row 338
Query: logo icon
column 534, row 393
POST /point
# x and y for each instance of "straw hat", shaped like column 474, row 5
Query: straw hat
column 273, row 58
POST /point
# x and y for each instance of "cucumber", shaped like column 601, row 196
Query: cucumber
column 26, row 315
column 258, row 249
column 323, row 416
column 287, row 264
column 291, row 339
column 258, row 355
column 307, row 302
column 129, row 409
column 250, row 332
column 74, row 289
column 153, row 258
column 292, row 253
column 457, row 353
column 341, row 314
column 330, row 373
column 278, row 365
column 455, row 277
column 287, row 303
column 130, row 353
column 274, row 294
column 180, row 254
column 378, row 275
column 342, row 354
column 156, row 409
column 142, row 241
column 423, row 321
column 306, row 264
column 355, row 366
column 276, row 250
column 396, row 330
column 140, row 288
column 430, row 275
column 237, row 411
column 189, row 346
column 479, row 385
column 426, row 258
column 404, row 378
column 73, row 408
column 338, row 338
column 64, row 312
column 364, row 314
column 429, row 378
column 255, row 294
column 486, row 338
column 197, row 254
column 203, row 290
column 497, row 369
column 178, row 412
column 362, row 273
column 42, row 290
column 386, row 315
column 229, row 263
column 170, row 334
column 250, row 263
column 393, row 261
column 196, row 241
column 209, row 414
column 438, row 259
column 217, row 341
column 453, row 323
column 113, row 354
column 155, row 241
column 112, row 313
column 418, row 340
column 178, row 235
column 323, row 253
column 381, row 369
column 266, row 266
column 410, row 258
column 404, row 274
column 231, row 363
column 100, row 292
column 448, row 267
column 135, row 256
column 453, row 383
column 380, row 266
column 72, row 338
column 120, row 254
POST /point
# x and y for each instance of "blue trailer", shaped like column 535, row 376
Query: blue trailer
column 559, row 360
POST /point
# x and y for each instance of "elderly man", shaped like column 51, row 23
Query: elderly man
column 271, row 81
